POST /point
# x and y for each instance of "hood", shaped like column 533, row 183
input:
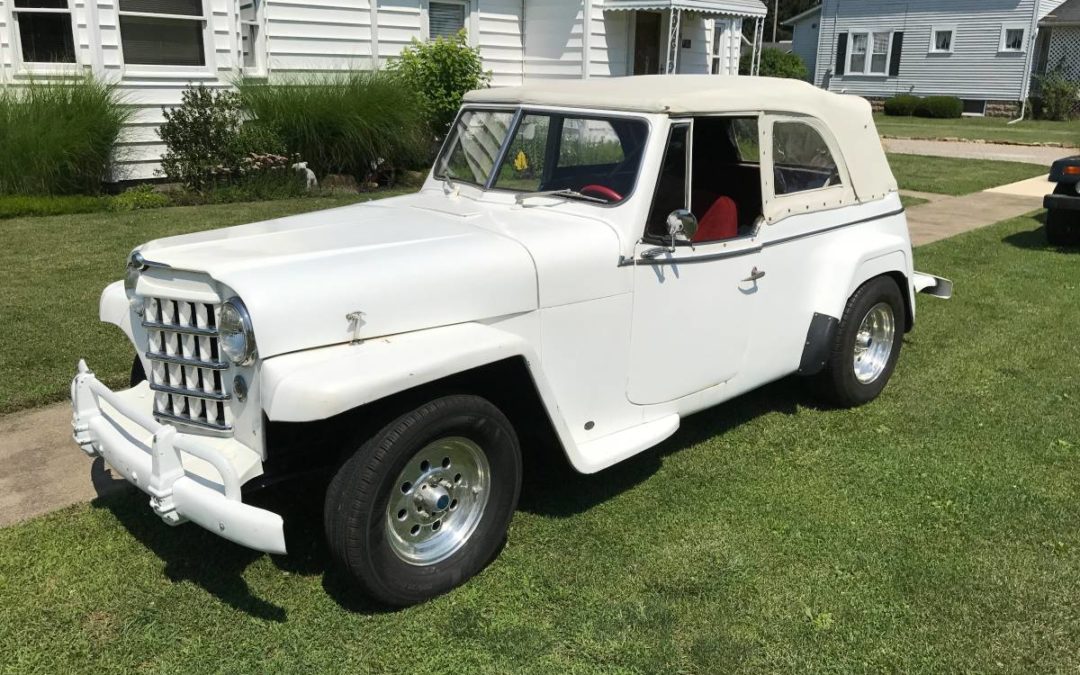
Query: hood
column 406, row 264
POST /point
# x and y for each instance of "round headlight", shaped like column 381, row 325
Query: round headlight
column 234, row 328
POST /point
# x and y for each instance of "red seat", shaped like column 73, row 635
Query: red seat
column 721, row 221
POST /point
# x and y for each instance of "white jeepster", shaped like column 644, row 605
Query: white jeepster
column 588, row 263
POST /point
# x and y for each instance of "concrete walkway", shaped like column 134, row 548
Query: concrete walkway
column 969, row 150
column 44, row 471
column 945, row 216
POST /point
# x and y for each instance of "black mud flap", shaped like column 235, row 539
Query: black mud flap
column 819, row 341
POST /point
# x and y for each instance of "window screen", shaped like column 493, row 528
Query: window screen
column 878, row 60
column 168, row 40
column 943, row 41
column 1014, row 39
column 445, row 19
column 45, row 33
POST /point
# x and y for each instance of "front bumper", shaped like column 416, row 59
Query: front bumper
column 187, row 477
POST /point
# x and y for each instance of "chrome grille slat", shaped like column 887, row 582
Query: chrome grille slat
column 186, row 371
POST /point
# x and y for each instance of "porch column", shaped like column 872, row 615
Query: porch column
column 673, row 46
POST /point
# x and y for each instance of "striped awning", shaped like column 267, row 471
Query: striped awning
column 746, row 8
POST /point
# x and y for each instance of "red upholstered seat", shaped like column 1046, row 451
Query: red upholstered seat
column 721, row 221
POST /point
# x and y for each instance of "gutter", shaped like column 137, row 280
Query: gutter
column 1025, row 83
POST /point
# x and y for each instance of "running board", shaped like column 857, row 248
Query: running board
column 614, row 448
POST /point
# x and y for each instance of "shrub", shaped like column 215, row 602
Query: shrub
column 1057, row 95
column 58, row 137
column 441, row 72
column 209, row 142
column 342, row 123
column 139, row 197
column 777, row 63
column 940, row 107
column 902, row 105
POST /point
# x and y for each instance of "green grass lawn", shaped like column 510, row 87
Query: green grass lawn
column 950, row 176
column 981, row 128
column 935, row 530
column 908, row 201
column 52, row 272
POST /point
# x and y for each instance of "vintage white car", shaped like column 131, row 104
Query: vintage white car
column 588, row 263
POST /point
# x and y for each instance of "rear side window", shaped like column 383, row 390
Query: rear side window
column 801, row 159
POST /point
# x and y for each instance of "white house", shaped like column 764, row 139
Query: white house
column 154, row 48
column 982, row 51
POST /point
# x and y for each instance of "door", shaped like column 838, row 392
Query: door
column 694, row 302
column 646, row 43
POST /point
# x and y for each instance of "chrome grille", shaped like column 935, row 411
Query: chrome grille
column 188, row 370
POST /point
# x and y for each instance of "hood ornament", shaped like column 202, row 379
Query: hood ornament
column 356, row 320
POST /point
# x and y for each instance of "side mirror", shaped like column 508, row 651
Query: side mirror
column 682, row 222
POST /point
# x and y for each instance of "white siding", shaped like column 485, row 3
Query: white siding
column 975, row 70
column 500, row 40
column 554, row 40
column 609, row 43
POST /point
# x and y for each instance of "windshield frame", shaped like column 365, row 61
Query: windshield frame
column 519, row 113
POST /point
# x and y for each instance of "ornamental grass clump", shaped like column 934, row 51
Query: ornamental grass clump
column 59, row 137
column 356, row 123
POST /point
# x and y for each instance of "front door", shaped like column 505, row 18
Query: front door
column 695, row 302
column 647, row 43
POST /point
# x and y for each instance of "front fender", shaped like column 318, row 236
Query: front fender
column 320, row 383
column 114, row 308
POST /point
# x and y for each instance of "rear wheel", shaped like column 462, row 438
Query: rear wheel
column 867, row 344
column 424, row 504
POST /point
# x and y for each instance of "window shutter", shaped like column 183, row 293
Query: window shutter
column 897, row 49
column 445, row 19
column 841, row 53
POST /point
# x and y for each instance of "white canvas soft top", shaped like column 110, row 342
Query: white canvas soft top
column 849, row 118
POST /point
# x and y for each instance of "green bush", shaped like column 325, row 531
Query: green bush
column 902, row 105
column 777, row 63
column 441, row 72
column 348, row 123
column 58, row 137
column 139, row 197
column 1057, row 95
column 208, row 141
column 940, row 107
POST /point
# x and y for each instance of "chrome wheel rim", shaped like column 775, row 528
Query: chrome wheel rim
column 438, row 500
column 874, row 343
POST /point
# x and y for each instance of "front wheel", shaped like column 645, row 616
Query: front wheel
column 424, row 504
column 867, row 344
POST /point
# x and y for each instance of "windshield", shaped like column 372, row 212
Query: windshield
column 575, row 156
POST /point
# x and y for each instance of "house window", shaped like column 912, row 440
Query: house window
column 251, row 36
column 941, row 41
column 162, row 32
column 974, row 107
column 45, row 34
column 869, row 54
column 1012, row 38
column 446, row 19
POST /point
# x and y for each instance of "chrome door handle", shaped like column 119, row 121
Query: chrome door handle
column 755, row 274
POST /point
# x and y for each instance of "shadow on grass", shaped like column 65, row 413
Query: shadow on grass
column 577, row 492
column 1035, row 240
column 217, row 566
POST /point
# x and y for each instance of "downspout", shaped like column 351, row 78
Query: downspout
column 1025, row 83
column 373, row 8
column 586, row 38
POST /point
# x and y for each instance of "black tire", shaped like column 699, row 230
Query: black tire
column 138, row 374
column 355, row 512
column 838, row 381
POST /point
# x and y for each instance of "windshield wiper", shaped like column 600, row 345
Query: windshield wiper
column 565, row 193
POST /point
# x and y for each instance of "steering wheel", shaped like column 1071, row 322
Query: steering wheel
column 603, row 192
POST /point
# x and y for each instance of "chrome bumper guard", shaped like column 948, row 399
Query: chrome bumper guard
column 157, row 468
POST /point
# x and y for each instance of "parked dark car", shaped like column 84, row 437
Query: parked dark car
column 1063, row 207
